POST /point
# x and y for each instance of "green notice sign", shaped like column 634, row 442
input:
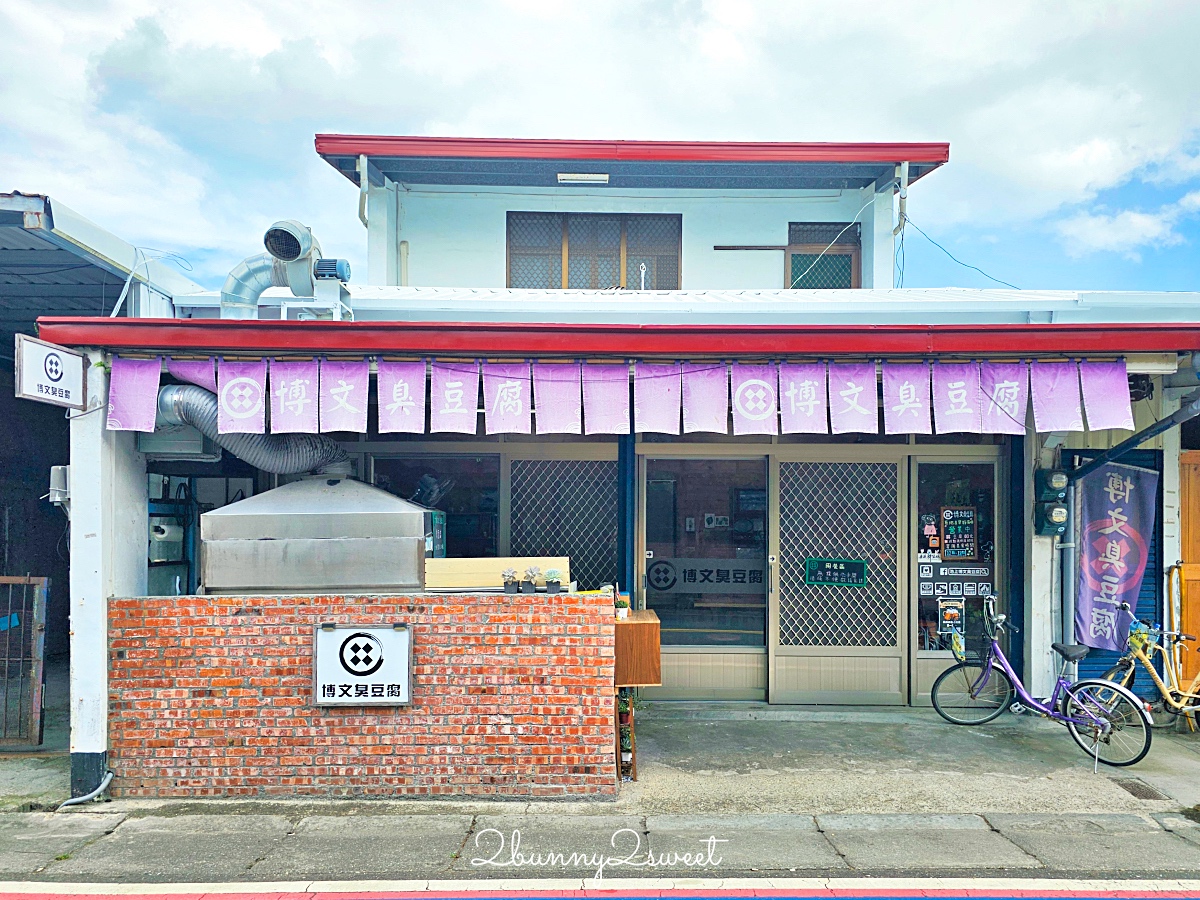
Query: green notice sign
column 847, row 572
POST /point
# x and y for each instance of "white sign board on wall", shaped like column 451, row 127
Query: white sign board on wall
column 51, row 374
column 362, row 665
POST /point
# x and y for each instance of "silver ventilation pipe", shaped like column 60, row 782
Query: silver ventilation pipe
column 292, row 252
column 246, row 283
column 281, row 454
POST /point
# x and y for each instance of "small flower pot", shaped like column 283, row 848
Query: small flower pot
column 527, row 587
column 623, row 718
column 511, row 587
column 626, row 756
column 553, row 587
column 622, row 612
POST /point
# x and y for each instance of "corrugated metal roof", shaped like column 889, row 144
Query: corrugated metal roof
column 908, row 306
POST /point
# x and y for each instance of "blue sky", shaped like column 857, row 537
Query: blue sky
column 1074, row 127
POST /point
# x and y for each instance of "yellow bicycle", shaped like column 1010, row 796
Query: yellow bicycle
column 1145, row 644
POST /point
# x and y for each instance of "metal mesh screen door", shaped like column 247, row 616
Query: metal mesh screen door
column 22, row 643
column 567, row 507
column 841, row 511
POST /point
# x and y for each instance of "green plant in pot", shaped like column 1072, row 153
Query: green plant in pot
column 623, row 708
column 529, row 583
column 510, row 581
column 553, row 581
column 622, row 605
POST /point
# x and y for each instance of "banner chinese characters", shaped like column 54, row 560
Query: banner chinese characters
column 1117, row 506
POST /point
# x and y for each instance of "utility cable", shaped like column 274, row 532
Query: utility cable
column 831, row 243
column 956, row 259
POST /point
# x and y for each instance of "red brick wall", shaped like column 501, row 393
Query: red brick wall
column 212, row 696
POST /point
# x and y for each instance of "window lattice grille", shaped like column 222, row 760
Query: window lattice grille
column 567, row 508
column 593, row 252
column 811, row 270
column 655, row 241
column 823, row 233
column 846, row 511
column 535, row 250
column 593, row 243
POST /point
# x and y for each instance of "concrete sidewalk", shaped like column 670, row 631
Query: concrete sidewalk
column 290, row 845
column 725, row 791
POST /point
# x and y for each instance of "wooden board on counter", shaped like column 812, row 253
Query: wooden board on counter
column 470, row 572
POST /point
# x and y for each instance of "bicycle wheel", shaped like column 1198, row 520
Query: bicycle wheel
column 961, row 700
column 1126, row 740
column 1123, row 673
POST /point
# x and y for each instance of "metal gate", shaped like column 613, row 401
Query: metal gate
column 567, row 507
column 22, row 646
column 839, row 643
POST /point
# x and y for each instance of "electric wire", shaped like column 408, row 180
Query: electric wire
column 956, row 259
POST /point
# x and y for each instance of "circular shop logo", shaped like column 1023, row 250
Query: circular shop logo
column 241, row 397
column 661, row 575
column 53, row 367
column 361, row 654
column 755, row 399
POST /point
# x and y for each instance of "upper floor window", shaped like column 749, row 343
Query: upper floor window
column 594, row 251
column 811, row 265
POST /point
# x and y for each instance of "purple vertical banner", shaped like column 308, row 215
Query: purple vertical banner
column 853, row 401
column 294, row 387
column 401, row 397
column 1106, row 395
column 956, row 405
column 1004, row 397
column 558, row 395
column 344, row 387
column 453, row 397
column 194, row 371
column 906, row 398
column 754, row 396
column 507, row 393
column 241, row 397
column 803, row 403
column 1116, row 525
column 1055, row 389
column 705, row 397
column 605, row 399
column 133, row 394
column 656, row 397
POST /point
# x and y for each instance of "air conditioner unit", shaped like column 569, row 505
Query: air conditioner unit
column 178, row 442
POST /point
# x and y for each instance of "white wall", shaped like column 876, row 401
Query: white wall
column 457, row 236
column 108, row 552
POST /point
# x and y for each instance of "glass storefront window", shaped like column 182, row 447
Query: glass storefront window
column 467, row 488
column 706, row 543
column 956, row 549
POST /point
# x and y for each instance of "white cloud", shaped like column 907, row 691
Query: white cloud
column 1126, row 232
column 189, row 126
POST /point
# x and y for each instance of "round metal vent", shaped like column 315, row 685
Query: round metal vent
column 282, row 244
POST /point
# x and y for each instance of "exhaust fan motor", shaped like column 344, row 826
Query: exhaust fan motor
column 330, row 269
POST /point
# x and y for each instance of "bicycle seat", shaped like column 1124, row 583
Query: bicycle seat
column 1071, row 652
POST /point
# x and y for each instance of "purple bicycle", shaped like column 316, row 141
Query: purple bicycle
column 1107, row 721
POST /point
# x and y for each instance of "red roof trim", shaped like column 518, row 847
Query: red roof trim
column 555, row 339
column 631, row 151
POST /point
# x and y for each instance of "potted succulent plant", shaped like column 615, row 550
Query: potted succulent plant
column 622, row 605
column 510, row 581
column 623, row 715
column 553, row 581
column 529, row 583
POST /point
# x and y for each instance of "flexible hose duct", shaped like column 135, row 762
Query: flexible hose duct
column 246, row 283
column 282, row 454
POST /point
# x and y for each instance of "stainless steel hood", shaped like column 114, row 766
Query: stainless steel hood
column 321, row 533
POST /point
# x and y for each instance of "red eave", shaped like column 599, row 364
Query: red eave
column 631, row 151
column 553, row 339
